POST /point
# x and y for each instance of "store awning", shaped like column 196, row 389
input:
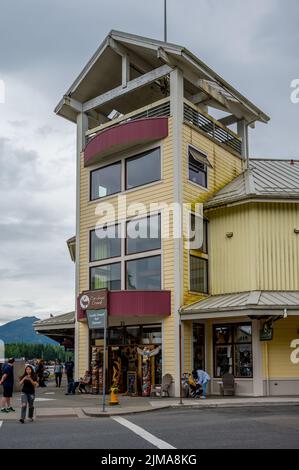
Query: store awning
column 243, row 304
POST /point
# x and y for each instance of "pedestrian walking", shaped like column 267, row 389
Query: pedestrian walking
column 203, row 378
column 58, row 369
column 40, row 373
column 7, row 381
column 28, row 381
column 69, row 369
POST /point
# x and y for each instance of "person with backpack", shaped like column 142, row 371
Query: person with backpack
column 7, row 381
column 28, row 381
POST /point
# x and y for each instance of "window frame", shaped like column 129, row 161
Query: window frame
column 136, row 156
column 90, row 245
column 232, row 344
column 207, row 274
column 205, row 164
column 118, row 162
column 99, row 266
column 143, row 251
column 126, row 261
column 206, row 224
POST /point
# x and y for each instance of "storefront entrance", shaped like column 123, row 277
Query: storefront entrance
column 134, row 359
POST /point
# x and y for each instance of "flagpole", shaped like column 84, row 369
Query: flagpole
column 165, row 20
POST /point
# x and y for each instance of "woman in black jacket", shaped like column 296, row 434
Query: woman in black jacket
column 28, row 381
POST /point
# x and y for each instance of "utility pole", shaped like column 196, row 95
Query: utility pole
column 165, row 20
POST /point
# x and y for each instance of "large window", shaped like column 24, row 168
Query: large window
column 143, row 234
column 198, row 274
column 198, row 164
column 131, row 269
column 143, row 169
column 106, row 277
column 144, row 273
column 233, row 350
column 105, row 242
column 105, row 181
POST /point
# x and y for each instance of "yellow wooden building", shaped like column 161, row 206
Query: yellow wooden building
column 156, row 128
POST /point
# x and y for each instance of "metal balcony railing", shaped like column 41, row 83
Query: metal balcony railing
column 213, row 129
column 161, row 109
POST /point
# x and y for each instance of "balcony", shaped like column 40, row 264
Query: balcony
column 150, row 124
column 212, row 128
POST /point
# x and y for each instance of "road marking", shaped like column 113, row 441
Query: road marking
column 1, row 422
column 143, row 433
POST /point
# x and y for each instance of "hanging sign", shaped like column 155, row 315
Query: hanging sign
column 96, row 318
column 266, row 333
column 93, row 299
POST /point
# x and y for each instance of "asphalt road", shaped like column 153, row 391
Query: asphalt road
column 226, row 428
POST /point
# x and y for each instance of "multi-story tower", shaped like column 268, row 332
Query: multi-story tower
column 156, row 125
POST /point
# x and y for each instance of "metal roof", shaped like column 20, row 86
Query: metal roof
column 265, row 178
column 65, row 318
column 245, row 301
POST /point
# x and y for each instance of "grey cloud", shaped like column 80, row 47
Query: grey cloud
column 44, row 46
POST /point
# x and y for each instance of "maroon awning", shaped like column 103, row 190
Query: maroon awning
column 131, row 303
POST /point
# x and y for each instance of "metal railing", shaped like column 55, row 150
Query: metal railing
column 160, row 110
column 211, row 128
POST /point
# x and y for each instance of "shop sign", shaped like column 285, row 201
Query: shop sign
column 96, row 318
column 93, row 300
column 266, row 333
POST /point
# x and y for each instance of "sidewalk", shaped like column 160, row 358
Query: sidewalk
column 51, row 402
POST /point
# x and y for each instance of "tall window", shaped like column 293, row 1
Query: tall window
column 203, row 225
column 144, row 273
column 105, row 277
column 198, row 346
column 233, row 350
column 105, row 181
column 143, row 169
column 198, row 165
column 198, row 274
column 105, row 243
column 143, row 234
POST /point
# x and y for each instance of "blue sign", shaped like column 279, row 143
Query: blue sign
column 96, row 318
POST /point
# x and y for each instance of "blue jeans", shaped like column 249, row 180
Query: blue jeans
column 27, row 400
column 204, row 389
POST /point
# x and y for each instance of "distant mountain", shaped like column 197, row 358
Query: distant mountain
column 22, row 331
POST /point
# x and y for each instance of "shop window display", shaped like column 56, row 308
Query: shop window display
column 198, row 346
column 130, row 372
column 233, row 350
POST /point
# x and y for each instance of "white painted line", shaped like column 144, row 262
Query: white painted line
column 143, row 433
column 1, row 422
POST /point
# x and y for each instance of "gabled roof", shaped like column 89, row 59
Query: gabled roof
column 57, row 320
column 260, row 302
column 102, row 72
column 264, row 179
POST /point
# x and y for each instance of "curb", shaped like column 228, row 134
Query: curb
column 236, row 405
column 122, row 413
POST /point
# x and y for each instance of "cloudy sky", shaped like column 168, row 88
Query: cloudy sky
column 43, row 46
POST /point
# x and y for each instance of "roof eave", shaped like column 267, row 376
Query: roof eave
column 252, row 198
